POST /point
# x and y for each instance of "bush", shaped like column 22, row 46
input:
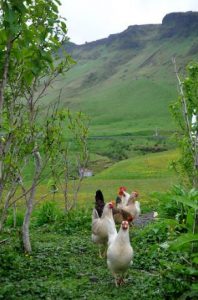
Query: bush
column 73, row 221
column 47, row 214
column 118, row 150
column 19, row 219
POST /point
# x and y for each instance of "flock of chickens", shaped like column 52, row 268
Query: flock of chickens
column 104, row 219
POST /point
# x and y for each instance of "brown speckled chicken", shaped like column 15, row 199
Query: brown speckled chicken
column 133, row 206
column 128, row 208
column 120, row 215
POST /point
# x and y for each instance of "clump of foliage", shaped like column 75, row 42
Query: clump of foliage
column 74, row 220
column 185, row 112
column 150, row 149
column 118, row 150
column 179, row 276
column 15, row 219
column 33, row 139
column 47, row 214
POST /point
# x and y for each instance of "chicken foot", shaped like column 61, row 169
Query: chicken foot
column 102, row 254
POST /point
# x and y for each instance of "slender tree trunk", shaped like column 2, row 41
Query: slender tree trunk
column 65, row 192
column 66, row 178
column 14, row 215
column 77, row 189
column 4, row 214
column 195, row 179
column 30, row 203
column 3, row 82
column 26, row 222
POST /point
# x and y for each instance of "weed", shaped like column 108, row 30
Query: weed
column 47, row 214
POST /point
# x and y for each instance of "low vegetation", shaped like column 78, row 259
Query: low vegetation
column 64, row 263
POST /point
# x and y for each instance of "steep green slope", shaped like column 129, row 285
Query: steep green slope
column 126, row 82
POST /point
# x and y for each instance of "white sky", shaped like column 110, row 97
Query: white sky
column 90, row 20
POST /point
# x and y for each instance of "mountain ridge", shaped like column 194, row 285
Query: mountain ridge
column 175, row 19
column 126, row 82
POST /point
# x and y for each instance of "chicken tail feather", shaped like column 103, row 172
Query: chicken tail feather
column 95, row 214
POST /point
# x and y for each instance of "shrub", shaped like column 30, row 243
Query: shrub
column 75, row 220
column 47, row 214
column 19, row 219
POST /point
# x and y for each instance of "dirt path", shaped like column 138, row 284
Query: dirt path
column 144, row 219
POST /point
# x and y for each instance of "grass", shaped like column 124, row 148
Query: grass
column 63, row 267
column 64, row 263
column 145, row 173
column 144, row 166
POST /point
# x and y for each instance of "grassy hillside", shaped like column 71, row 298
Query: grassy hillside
column 141, row 167
column 144, row 173
column 126, row 82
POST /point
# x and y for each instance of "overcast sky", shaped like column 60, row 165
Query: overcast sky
column 90, row 20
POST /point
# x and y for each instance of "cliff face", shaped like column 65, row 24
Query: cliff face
column 136, row 36
column 179, row 24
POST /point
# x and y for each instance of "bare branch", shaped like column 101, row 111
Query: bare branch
column 185, row 110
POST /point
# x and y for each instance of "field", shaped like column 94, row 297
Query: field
column 64, row 263
column 146, row 173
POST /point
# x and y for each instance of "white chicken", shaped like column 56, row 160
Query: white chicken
column 103, row 227
column 124, row 197
column 120, row 254
column 133, row 206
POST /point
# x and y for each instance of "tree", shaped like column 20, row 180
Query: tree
column 185, row 112
column 78, row 125
column 31, row 34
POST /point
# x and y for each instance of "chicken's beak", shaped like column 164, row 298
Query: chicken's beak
column 111, row 205
column 135, row 193
column 125, row 225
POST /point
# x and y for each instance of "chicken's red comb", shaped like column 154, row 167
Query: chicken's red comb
column 122, row 189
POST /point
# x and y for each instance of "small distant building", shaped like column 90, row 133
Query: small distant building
column 85, row 172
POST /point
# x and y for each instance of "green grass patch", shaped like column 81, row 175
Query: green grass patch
column 64, row 264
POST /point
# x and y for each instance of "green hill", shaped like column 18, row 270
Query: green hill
column 126, row 82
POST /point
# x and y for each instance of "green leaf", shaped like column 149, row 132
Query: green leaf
column 186, row 201
column 195, row 260
column 183, row 240
column 195, row 287
column 64, row 27
column 190, row 218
